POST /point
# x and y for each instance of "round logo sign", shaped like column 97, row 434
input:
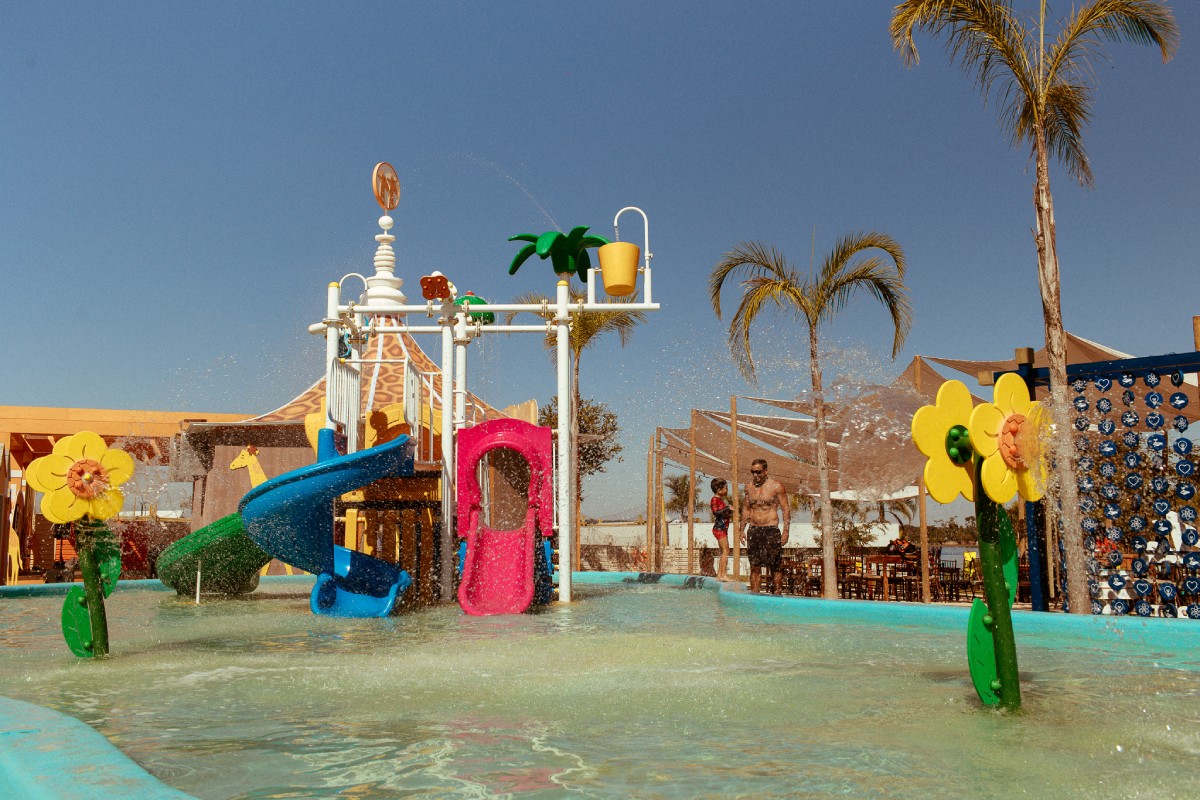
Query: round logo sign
column 386, row 184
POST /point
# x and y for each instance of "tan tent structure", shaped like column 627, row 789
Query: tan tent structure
column 871, row 459
column 1079, row 351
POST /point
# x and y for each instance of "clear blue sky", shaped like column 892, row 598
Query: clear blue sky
column 181, row 181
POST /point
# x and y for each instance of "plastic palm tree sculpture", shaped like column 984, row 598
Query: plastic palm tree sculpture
column 770, row 281
column 1046, row 102
column 79, row 483
column 586, row 330
column 568, row 253
column 987, row 454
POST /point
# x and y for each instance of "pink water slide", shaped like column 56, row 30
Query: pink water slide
column 497, row 576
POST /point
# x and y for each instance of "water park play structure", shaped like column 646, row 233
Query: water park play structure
column 289, row 518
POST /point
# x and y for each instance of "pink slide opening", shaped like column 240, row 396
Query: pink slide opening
column 497, row 574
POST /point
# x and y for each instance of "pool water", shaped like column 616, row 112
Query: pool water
column 634, row 691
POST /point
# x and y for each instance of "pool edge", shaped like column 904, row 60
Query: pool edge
column 48, row 754
column 1131, row 629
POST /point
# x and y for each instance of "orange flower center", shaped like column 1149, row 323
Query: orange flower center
column 1010, row 448
column 87, row 479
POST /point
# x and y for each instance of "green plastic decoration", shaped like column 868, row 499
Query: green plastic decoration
column 84, row 620
column 567, row 252
column 981, row 654
column 996, row 678
column 481, row 317
column 985, row 453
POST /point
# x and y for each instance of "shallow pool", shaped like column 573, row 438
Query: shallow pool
column 634, row 691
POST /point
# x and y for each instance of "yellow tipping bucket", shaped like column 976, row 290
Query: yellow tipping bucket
column 619, row 267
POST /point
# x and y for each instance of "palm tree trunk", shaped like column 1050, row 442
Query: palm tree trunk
column 828, row 555
column 1056, row 351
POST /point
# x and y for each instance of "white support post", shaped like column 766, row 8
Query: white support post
column 566, row 547
column 446, row 567
column 333, row 333
column 462, row 338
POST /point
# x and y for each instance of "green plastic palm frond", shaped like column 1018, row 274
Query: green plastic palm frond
column 522, row 255
column 574, row 238
column 523, row 237
column 547, row 242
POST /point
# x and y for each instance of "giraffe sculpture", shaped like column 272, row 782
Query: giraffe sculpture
column 248, row 460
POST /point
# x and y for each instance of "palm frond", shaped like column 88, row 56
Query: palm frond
column 520, row 258
column 983, row 36
column 586, row 329
column 1147, row 22
column 546, row 242
column 880, row 280
column 846, row 271
column 755, row 258
column 531, row 299
column 759, row 293
column 1065, row 116
column 1065, row 102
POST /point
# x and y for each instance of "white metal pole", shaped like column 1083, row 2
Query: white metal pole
column 461, row 340
column 332, row 334
column 566, row 547
column 446, row 567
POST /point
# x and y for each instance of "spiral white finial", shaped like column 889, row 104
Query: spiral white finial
column 384, row 286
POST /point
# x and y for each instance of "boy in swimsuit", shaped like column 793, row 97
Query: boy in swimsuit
column 722, row 513
column 762, row 504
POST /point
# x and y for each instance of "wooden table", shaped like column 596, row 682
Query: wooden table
column 886, row 569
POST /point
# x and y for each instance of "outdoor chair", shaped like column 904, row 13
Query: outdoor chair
column 850, row 578
column 794, row 576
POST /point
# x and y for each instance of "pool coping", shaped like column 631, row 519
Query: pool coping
column 1129, row 629
column 48, row 754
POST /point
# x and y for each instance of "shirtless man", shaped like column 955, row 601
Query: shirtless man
column 762, row 503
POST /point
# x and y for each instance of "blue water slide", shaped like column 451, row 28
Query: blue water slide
column 291, row 517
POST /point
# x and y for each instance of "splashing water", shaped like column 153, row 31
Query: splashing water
column 524, row 190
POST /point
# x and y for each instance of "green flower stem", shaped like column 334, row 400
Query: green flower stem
column 86, row 533
column 995, row 593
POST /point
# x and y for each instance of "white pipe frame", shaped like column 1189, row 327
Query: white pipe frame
column 446, row 567
column 457, row 331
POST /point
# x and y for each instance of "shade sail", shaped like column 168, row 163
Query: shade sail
column 1079, row 351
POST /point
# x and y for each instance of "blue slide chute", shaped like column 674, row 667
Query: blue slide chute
column 291, row 517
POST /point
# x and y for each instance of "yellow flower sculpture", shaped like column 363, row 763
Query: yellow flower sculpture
column 1005, row 434
column 940, row 433
column 80, row 477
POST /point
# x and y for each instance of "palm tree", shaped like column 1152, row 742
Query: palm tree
column 1046, row 101
column 676, row 502
column 586, row 330
column 814, row 299
column 567, row 252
